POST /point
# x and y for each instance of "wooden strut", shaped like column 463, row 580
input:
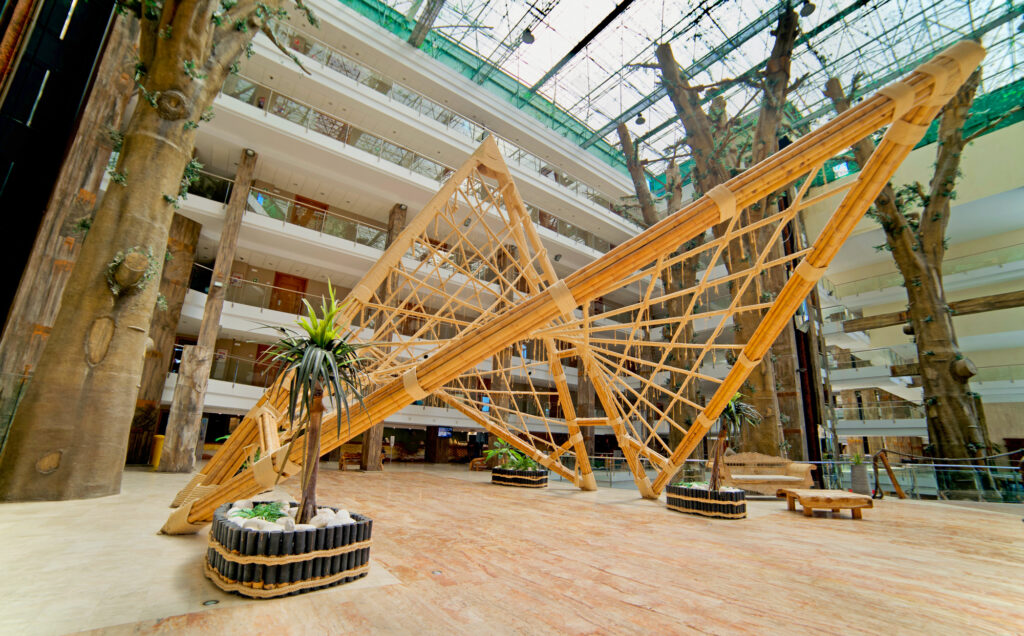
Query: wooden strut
column 443, row 320
column 884, row 458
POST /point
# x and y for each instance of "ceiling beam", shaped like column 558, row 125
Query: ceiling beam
column 871, row 86
column 766, row 20
column 424, row 24
column 582, row 44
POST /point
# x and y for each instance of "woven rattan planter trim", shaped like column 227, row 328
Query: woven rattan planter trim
column 725, row 504
column 521, row 478
column 264, row 564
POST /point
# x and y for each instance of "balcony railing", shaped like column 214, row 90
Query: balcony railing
column 332, row 58
column 317, row 121
column 282, row 208
column 1000, row 373
column 959, row 265
column 881, row 411
column 882, row 357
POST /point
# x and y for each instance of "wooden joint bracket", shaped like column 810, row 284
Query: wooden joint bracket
column 563, row 298
column 809, row 272
column 412, row 385
column 904, row 133
column 725, row 200
column 902, row 96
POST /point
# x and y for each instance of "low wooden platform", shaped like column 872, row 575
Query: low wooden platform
column 834, row 500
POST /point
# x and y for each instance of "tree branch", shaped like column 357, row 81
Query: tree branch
column 267, row 31
column 950, row 146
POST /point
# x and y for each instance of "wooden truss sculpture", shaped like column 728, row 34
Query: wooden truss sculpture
column 465, row 306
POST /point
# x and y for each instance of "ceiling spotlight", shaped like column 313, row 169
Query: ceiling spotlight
column 807, row 9
column 640, row 121
column 557, row 257
column 528, row 37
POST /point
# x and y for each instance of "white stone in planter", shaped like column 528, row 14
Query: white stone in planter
column 322, row 519
column 243, row 503
column 286, row 522
column 341, row 519
column 261, row 524
column 304, row 526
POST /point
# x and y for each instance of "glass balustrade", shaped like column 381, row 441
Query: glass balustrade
column 950, row 266
column 276, row 206
column 882, row 357
column 1000, row 373
column 330, row 57
column 881, row 411
column 274, row 103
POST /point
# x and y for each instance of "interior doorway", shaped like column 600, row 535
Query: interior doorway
column 287, row 293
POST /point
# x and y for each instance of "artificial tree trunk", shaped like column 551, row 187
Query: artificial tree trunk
column 673, row 280
column 70, row 433
column 373, row 438
column 311, row 459
column 184, row 422
column 708, row 138
column 66, row 220
column 917, row 243
column 181, row 250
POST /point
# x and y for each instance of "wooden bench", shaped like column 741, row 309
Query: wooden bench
column 478, row 463
column 349, row 458
column 764, row 474
column 834, row 500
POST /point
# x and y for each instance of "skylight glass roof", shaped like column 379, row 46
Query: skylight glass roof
column 613, row 77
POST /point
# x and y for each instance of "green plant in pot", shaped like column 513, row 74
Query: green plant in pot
column 515, row 468
column 317, row 361
column 710, row 499
column 319, row 547
column 859, row 475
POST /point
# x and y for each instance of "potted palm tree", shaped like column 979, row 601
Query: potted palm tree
column 265, row 549
column 514, row 468
column 711, row 499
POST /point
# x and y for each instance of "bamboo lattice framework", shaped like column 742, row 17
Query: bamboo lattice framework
column 466, row 306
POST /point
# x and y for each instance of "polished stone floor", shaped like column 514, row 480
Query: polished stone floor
column 453, row 554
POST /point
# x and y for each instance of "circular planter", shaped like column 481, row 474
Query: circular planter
column 521, row 478
column 727, row 503
column 270, row 563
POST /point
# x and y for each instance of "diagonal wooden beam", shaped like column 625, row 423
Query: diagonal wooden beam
column 978, row 305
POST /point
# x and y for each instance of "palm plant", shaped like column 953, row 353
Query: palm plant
column 315, row 361
column 735, row 415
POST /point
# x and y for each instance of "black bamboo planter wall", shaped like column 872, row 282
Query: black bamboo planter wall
column 264, row 564
column 726, row 504
column 521, row 478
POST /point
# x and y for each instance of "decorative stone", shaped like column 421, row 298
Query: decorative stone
column 243, row 503
column 286, row 522
column 261, row 524
column 304, row 526
column 340, row 520
column 321, row 520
